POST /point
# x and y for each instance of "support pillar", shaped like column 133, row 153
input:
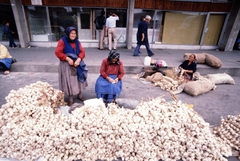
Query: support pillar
column 232, row 28
column 20, row 22
column 130, row 23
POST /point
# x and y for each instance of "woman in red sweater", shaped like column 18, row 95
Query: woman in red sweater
column 70, row 53
column 109, row 83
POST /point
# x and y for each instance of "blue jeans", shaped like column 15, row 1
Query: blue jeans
column 136, row 51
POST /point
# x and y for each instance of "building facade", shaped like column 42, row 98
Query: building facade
column 175, row 24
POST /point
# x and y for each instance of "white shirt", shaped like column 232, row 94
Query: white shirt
column 111, row 21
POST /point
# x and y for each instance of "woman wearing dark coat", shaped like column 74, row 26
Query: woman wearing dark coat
column 71, row 74
column 189, row 67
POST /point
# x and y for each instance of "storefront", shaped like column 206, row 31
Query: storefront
column 167, row 28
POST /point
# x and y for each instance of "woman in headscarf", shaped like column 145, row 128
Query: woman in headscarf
column 188, row 67
column 5, row 59
column 71, row 76
column 109, row 83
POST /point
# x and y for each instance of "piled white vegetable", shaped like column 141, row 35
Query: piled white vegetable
column 229, row 131
column 36, row 94
column 167, row 84
column 155, row 130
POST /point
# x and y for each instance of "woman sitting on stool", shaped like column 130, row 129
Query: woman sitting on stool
column 6, row 59
column 109, row 83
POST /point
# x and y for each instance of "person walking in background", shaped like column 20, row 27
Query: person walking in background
column 9, row 34
column 6, row 59
column 141, row 19
column 109, row 83
column 111, row 30
column 142, row 36
column 70, row 73
column 100, row 22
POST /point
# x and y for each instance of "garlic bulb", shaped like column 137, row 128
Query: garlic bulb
column 154, row 130
column 229, row 131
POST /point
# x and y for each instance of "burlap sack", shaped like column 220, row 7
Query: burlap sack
column 171, row 73
column 155, row 77
column 195, row 88
column 213, row 61
column 221, row 78
column 147, row 71
column 199, row 56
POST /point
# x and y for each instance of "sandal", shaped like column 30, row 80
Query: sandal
column 81, row 98
column 6, row 72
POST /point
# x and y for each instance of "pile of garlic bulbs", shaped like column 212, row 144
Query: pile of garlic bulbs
column 229, row 131
column 36, row 94
column 167, row 84
column 155, row 130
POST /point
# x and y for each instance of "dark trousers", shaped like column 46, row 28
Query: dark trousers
column 136, row 51
column 11, row 41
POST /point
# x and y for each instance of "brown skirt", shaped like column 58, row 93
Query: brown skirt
column 67, row 83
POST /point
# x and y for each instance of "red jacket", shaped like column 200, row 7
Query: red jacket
column 107, row 69
column 59, row 50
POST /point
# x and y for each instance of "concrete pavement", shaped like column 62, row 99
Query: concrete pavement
column 40, row 64
column 39, row 59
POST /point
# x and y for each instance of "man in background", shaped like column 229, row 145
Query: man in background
column 142, row 36
column 9, row 34
column 100, row 22
column 111, row 30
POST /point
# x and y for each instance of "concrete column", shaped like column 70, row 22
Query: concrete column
column 232, row 28
column 130, row 23
column 20, row 22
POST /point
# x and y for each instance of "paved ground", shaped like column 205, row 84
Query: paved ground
column 39, row 59
column 211, row 106
column 40, row 64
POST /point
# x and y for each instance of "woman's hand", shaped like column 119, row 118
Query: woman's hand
column 77, row 62
column 69, row 60
column 116, row 80
column 110, row 80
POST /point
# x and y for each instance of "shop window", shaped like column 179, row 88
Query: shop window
column 183, row 28
column 6, row 15
column 38, row 24
column 213, row 29
column 61, row 18
column 122, row 14
column 120, row 24
column 138, row 13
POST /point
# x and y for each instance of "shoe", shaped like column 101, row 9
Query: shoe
column 151, row 55
column 101, row 49
column 14, row 61
column 81, row 99
column 135, row 55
